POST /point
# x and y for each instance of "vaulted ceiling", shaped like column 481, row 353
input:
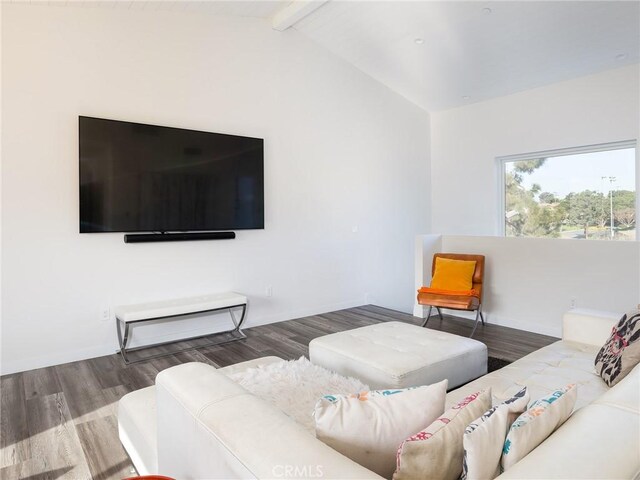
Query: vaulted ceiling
column 478, row 50
column 445, row 54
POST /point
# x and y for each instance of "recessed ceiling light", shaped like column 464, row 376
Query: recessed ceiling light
column 621, row 56
column 419, row 41
column 465, row 97
column 487, row 11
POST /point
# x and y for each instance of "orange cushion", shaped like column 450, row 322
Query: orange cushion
column 453, row 274
column 463, row 293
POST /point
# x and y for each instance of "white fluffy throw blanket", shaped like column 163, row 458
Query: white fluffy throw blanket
column 295, row 386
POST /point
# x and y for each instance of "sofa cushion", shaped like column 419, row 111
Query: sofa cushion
column 436, row 451
column 587, row 326
column 368, row 427
column 542, row 372
column 241, row 367
column 532, row 427
column 484, row 438
column 621, row 351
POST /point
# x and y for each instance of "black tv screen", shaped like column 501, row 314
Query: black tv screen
column 145, row 178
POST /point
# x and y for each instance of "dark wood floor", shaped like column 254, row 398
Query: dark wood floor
column 60, row 422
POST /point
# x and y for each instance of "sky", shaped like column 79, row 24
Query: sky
column 575, row 173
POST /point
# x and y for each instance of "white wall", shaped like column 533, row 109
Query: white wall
column 341, row 151
column 466, row 141
column 426, row 246
column 532, row 281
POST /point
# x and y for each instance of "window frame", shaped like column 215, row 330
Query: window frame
column 501, row 162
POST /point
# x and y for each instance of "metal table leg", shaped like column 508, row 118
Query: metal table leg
column 123, row 341
column 237, row 324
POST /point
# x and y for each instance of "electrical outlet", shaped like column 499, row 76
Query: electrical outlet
column 105, row 314
column 572, row 304
column 269, row 291
column 367, row 298
column 354, row 229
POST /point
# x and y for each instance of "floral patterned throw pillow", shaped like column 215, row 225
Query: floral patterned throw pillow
column 621, row 352
column 484, row 438
column 435, row 452
column 540, row 420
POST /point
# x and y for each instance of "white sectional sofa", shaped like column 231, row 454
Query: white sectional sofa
column 207, row 426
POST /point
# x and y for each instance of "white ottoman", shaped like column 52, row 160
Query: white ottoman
column 399, row 355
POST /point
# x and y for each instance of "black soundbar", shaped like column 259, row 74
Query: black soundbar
column 177, row 237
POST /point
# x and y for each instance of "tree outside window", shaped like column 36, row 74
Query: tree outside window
column 582, row 196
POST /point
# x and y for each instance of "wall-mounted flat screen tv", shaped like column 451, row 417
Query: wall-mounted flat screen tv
column 145, row 178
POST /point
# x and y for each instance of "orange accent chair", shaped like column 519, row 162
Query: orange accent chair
column 467, row 302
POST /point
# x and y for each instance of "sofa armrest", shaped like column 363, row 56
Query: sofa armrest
column 210, row 427
column 591, row 327
column 596, row 442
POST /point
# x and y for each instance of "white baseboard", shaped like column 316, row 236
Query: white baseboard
column 59, row 358
column 304, row 312
column 511, row 323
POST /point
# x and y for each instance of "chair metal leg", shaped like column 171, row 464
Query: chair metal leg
column 424, row 324
column 479, row 318
column 475, row 325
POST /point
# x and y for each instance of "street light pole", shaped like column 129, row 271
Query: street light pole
column 611, row 182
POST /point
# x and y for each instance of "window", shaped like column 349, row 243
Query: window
column 581, row 193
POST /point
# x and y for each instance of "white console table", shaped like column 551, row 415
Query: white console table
column 128, row 315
